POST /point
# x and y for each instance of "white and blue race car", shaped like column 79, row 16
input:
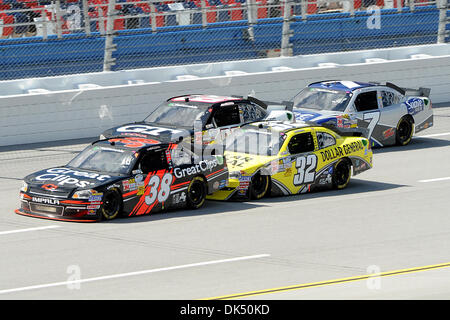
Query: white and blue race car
column 386, row 113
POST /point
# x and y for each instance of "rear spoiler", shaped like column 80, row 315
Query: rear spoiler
column 421, row 92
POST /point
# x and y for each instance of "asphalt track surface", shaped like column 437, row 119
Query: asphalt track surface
column 386, row 236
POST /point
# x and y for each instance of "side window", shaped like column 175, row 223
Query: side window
column 251, row 112
column 227, row 116
column 366, row 101
column 300, row 143
column 389, row 98
column 324, row 140
column 180, row 156
column 153, row 161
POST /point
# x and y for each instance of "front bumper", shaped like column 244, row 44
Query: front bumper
column 235, row 190
column 59, row 209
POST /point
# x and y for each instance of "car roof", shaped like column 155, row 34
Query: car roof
column 131, row 142
column 207, row 100
column 341, row 85
column 203, row 98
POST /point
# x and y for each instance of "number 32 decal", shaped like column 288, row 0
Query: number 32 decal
column 306, row 169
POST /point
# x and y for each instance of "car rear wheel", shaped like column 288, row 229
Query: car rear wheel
column 341, row 174
column 405, row 130
column 112, row 204
column 259, row 186
column 196, row 193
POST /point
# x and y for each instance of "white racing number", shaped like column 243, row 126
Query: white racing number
column 164, row 191
column 373, row 117
column 306, row 169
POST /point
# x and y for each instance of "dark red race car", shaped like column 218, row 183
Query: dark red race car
column 123, row 176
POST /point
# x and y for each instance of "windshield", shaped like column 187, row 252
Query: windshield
column 104, row 159
column 322, row 99
column 259, row 142
column 176, row 114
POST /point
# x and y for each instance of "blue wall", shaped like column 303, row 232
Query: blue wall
column 33, row 57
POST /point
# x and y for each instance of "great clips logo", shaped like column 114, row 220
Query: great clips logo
column 63, row 176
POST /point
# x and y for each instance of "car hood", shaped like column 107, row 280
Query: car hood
column 161, row 133
column 246, row 163
column 65, row 180
column 318, row 116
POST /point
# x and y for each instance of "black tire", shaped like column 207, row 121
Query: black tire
column 196, row 193
column 259, row 186
column 404, row 132
column 112, row 204
column 341, row 174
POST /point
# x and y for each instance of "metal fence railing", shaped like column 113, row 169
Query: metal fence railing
column 46, row 38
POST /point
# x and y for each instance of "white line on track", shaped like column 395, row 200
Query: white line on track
column 436, row 179
column 434, row 135
column 128, row 274
column 27, row 230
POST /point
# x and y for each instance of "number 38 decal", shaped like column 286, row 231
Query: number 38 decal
column 306, row 169
column 163, row 193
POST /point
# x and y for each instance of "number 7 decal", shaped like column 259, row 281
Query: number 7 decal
column 374, row 117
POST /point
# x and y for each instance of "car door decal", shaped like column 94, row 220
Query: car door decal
column 306, row 169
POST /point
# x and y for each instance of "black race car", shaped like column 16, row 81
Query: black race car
column 207, row 117
column 123, row 176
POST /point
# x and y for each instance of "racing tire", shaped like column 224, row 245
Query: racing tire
column 341, row 174
column 196, row 193
column 112, row 204
column 259, row 186
column 404, row 132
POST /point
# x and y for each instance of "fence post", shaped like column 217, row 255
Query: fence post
column 251, row 18
column 204, row 18
column 442, row 6
column 87, row 20
column 286, row 46
column 58, row 18
column 153, row 16
column 108, row 60
column 304, row 6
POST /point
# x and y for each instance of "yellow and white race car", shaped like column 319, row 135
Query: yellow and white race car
column 284, row 158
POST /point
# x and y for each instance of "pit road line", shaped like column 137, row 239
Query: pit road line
column 27, row 230
column 128, row 274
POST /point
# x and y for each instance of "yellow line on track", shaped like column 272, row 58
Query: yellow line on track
column 331, row 282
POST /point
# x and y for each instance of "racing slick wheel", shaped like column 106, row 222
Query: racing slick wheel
column 259, row 186
column 341, row 174
column 404, row 132
column 112, row 204
column 196, row 192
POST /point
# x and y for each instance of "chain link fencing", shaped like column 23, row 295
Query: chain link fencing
column 50, row 38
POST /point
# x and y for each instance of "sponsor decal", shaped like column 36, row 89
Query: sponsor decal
column 95, row 197
column 305, row 115
column 179, row 197
column 63, row 176
column 91, row 207
column 222, row 184
column 204, row 165
column 49, row 187
column 414, row 105
column 148, row 130
column 337, row 151
column 388, row 133
column 45, row 200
